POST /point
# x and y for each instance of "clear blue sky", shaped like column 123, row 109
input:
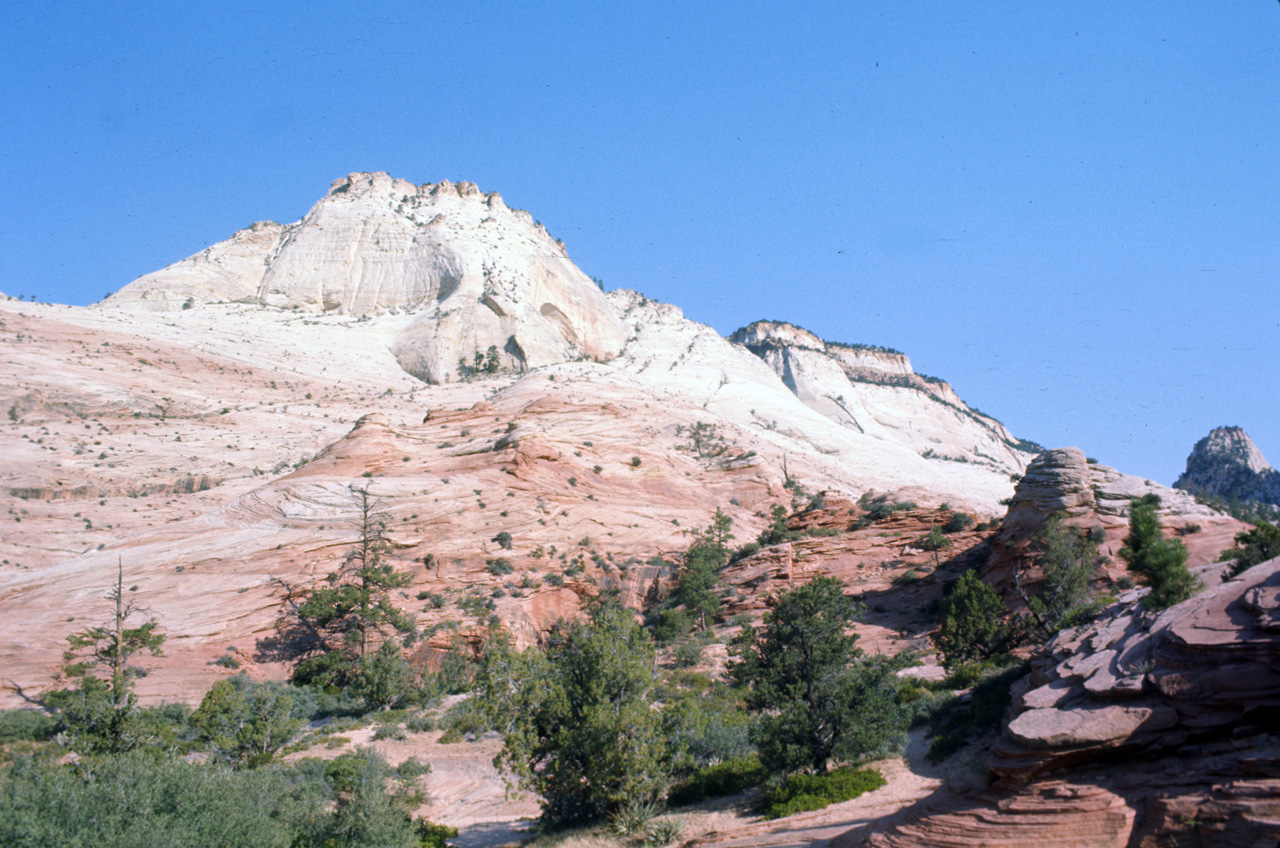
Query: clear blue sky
column 1071, row 211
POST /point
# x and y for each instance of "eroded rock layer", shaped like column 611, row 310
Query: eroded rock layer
column 1139, row 729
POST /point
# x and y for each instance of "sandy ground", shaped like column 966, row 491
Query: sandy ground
column 729, row 822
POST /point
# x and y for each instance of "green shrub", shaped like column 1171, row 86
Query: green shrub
column 26, row 725
column 431, row 835
column 504, row 540
column 934, row 540
column 971, row 624
column 465, row 718
column 688, row 653
column 957, row 522
column 727, row 778
column 389, row 731
column 1161, row 562
column 148, row 798
column 802, row 793
column 1254, row 546
column 633, row 818
column 498, row 566
column 664, row 831
column 420, row 724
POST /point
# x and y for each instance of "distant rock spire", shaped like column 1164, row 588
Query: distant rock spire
column 1226, row 463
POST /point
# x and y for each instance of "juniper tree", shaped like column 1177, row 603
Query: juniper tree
column 818, row 698
column 1160, row 562
column 1254, row 546
column 971, row 624
column 1068, row 562
column 580, row 729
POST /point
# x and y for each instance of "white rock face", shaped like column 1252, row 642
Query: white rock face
column 227, row 271
column 441, row 273
column 474, row 273
column 690, row 362
column 876, row 393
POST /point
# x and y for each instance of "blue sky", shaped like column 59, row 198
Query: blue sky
column 1070, row 211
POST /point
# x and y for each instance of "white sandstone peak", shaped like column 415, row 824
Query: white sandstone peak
column 476, row 274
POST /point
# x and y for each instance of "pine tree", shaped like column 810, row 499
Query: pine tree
column 818, row 698
column 580, row 728
column 1068, row 562
column 100, row 713
column 971, row 624
column 352, row 616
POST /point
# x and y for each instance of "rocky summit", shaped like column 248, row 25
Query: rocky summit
column 473, row 273
column 1227, row 464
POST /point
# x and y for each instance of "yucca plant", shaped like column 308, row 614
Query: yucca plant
column 664, row 831
column 633, row 818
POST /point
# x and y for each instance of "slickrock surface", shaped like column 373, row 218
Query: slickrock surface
column 1228, row 464
column 1139, row 729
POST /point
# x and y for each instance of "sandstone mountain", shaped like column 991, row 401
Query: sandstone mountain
column 474, row 273
column 203, row 427
column 1096, row 498
column 1227, row 464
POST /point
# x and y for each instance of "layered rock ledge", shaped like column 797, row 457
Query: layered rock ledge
column 1138, row 729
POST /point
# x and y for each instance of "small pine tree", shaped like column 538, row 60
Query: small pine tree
column 776, row 533
column 819, row 699
column 580, row 727
column 697, row 584
column 246, row 729
column 1068, row 562
column 1254, row 546
column 1160, row 562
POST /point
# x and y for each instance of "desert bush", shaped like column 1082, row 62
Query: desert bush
column 498, row 566
column 149, row 798
column 27, row 725
column 804, row 792
column 420, row 724
column 389, row 731
column 1254, row 546
column 714, row 781
column 957, row 721
column 663, row 831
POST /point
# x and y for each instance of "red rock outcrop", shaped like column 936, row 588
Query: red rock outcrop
column 1095, row 498
column 1138, row 729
